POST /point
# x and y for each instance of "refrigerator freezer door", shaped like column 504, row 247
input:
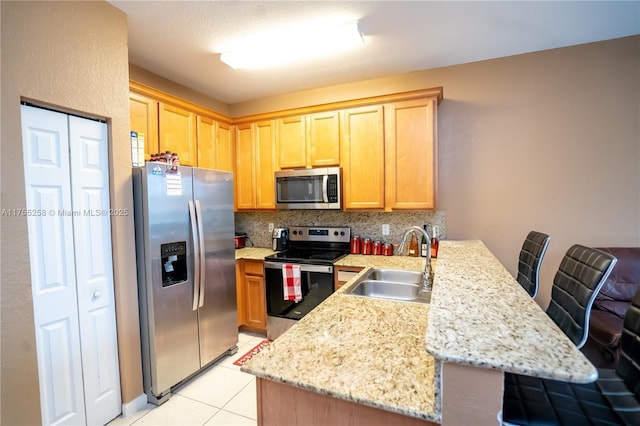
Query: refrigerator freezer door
column 218, row 317
column 170, row 329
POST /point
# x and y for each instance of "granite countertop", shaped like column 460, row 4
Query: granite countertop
column 393, row 262
column 255, row 253
column 372, row 351
column 497, row 324
column 363, row 350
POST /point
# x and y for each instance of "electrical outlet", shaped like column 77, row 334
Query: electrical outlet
column 385, row 229
column 271, row 228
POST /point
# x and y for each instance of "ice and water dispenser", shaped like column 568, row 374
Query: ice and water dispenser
column 174, row 263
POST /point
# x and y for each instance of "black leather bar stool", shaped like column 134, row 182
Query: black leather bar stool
column 614, row 399
column 530, row 259
column 582, row 272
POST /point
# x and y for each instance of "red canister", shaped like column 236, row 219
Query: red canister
column 377, row 248
column 387, row 249
column 355, row 244
column 366, row 246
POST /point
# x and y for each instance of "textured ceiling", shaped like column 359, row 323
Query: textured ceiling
column 182, row 40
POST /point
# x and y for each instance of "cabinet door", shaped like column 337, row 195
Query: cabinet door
column 255, row 304
column 410, row 152
column 143, row 114
column 224, row 158
column 178, row 133
column 344, row 274
column 240, row 297
column 245, row 168
column 362, row 157
column 264, row 143
column 206, row 142
column 324, row 139
column 292, row 143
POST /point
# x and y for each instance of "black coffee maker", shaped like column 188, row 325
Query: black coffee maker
column 280, row 239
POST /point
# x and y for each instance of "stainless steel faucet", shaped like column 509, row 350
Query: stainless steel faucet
column 426, row 283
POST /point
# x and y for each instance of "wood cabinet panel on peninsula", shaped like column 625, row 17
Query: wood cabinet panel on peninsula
column 252, row 310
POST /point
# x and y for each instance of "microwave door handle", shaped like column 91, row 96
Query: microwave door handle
column 196, row 257
column 325, row 188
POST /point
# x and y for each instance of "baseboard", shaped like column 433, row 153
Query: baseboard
column 132, row 407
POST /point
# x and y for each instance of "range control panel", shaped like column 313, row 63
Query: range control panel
column 320, row 234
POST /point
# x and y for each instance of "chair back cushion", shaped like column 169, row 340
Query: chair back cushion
column 582, row 272
column 628, row 364
column 530, row 259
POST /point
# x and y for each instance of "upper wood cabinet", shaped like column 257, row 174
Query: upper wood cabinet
column 178, row 133
column 311, row 140
column 324, row 139
column 255, row 166
column 264, row 143
column 206, row 134
column 292, row 142
column 362, row 157
column 215, row 144
column 144, row 120
column 410, row 154
column 386, row 145
column 224, row 152
column 245, row 168
column 201, row 137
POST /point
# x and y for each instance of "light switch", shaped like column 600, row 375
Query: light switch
column 385, row 229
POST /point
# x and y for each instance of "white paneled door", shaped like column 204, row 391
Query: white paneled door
column 67, row 188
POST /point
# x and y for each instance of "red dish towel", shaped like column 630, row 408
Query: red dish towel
column 291, row 282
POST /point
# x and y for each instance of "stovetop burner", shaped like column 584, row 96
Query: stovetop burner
column 317, row 245
column 308, row 255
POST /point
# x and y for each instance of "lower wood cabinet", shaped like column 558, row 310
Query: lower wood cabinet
column 252, row 304
column 344, row 274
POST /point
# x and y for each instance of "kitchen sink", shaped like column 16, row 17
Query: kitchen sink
column 396, row 275
column 393, row 284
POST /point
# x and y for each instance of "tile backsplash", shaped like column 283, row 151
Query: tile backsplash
column 365, row 224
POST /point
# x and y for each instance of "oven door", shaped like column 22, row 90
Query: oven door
column 316, row 282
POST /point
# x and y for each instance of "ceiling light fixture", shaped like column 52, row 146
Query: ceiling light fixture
column 294, row 46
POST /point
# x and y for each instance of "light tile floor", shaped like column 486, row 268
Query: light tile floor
column 219, row 395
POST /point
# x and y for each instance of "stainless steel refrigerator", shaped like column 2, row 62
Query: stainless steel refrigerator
column 185, row 251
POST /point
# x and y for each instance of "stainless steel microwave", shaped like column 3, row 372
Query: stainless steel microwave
column 309, row 189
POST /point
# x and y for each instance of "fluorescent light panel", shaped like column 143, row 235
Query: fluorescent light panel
column 294, row 47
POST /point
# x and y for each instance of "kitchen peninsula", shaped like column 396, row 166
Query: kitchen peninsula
column 360, row 360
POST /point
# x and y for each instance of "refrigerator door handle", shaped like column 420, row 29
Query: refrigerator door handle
column 196, row 257
column 202, row 253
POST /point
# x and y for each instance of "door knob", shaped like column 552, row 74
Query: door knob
column 96, row 295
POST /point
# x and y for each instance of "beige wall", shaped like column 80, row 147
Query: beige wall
column 546, row 141
column 72, row 56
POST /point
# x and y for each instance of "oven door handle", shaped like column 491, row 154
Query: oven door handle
column 304, row 267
